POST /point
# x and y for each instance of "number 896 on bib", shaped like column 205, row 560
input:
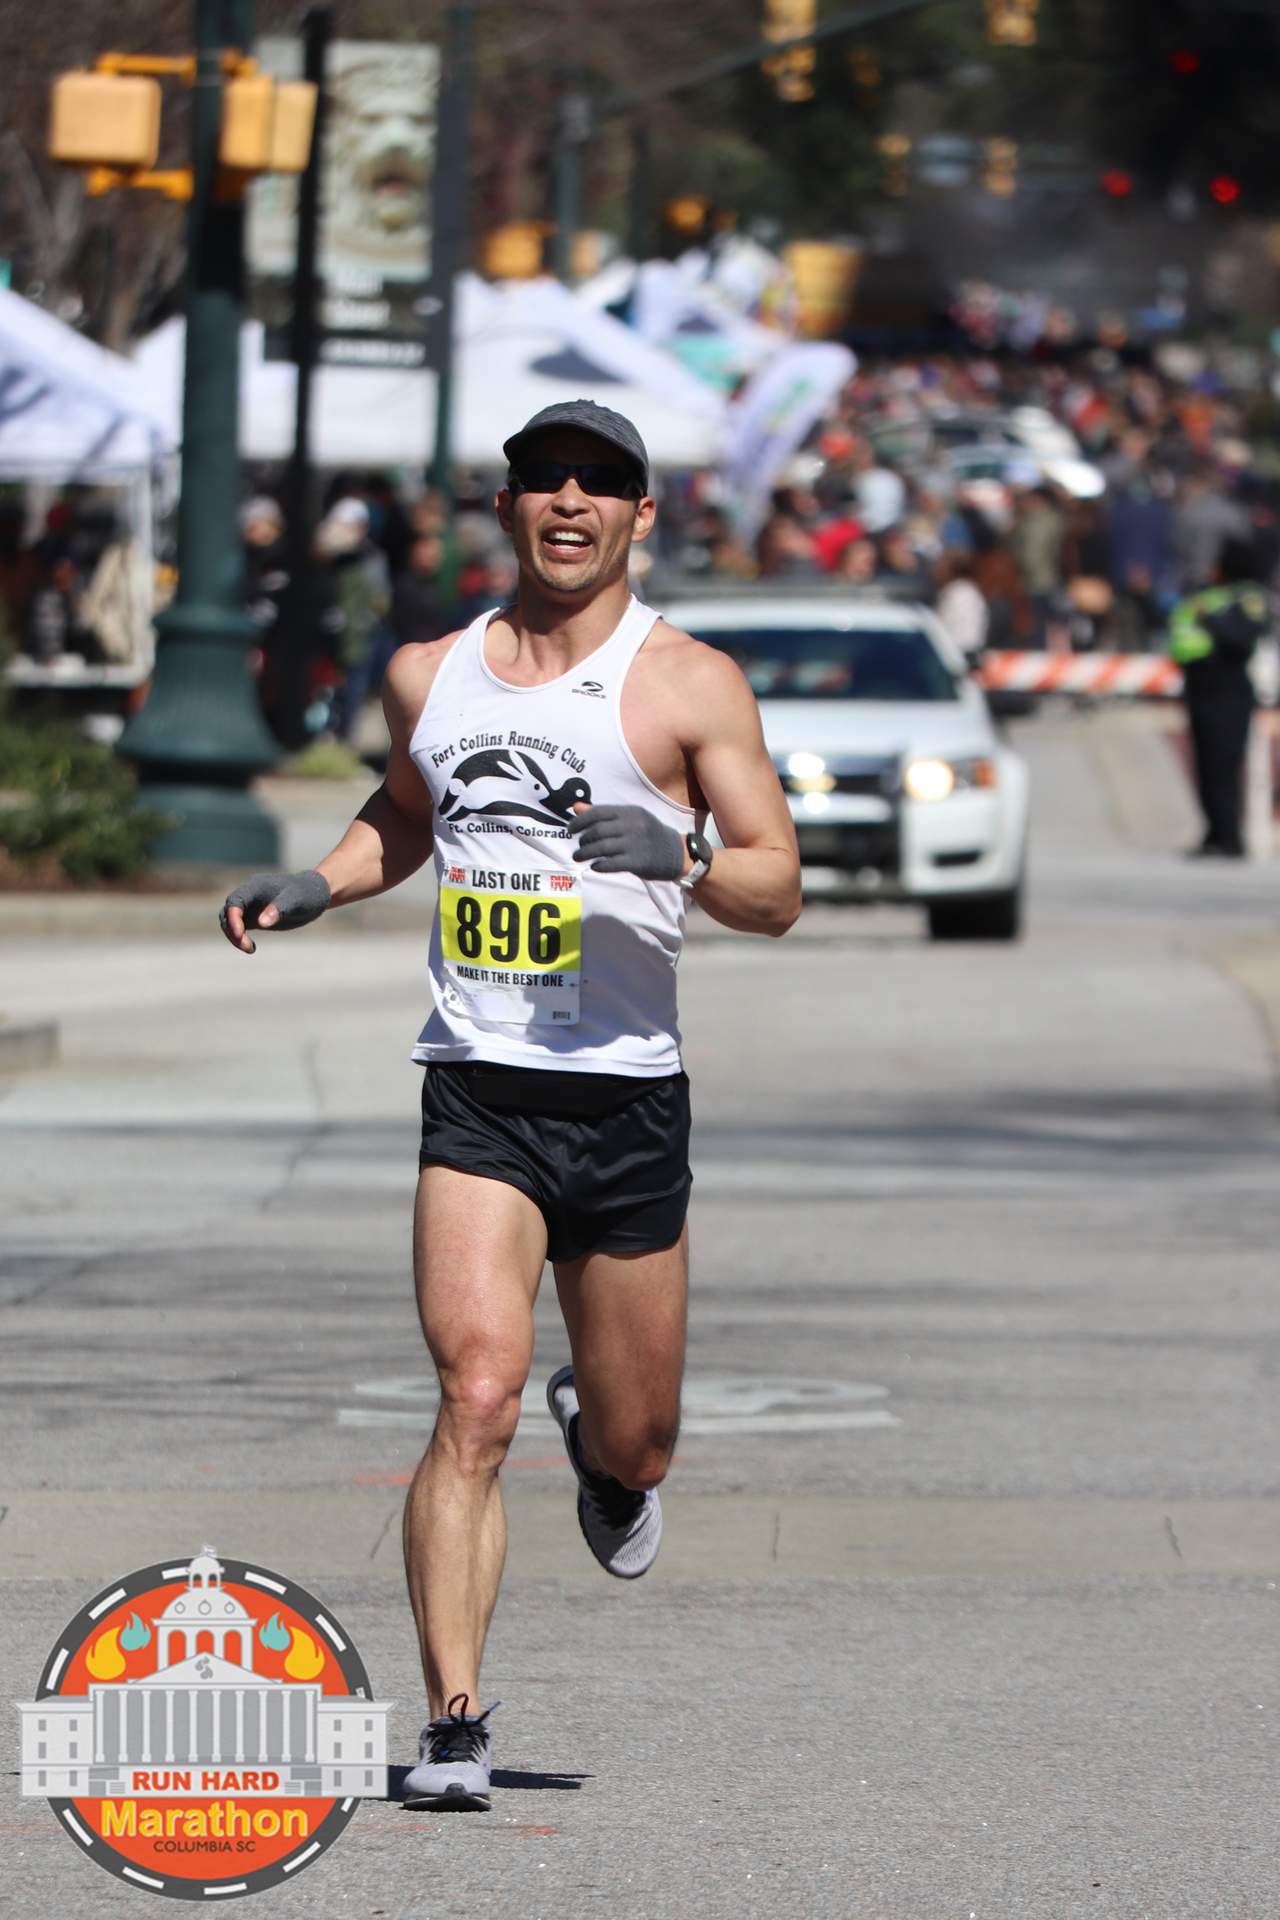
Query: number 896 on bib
column 514, row 949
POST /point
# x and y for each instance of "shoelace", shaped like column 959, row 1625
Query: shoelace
column 458, row 1736
column 616, row 1504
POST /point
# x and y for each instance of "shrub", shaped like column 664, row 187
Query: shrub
column 68, row 800
column 325, row 760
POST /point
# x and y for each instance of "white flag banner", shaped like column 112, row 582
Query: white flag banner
column 770, row 419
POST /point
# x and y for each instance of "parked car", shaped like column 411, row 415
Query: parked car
column 898, row 783
column 1017, row 448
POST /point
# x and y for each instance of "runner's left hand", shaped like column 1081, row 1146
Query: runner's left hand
column 628, row 840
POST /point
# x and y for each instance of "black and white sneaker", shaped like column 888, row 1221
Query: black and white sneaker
column 452, row 1773
column 623, row 1528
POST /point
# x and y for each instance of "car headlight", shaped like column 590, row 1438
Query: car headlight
column 939, row 779
column 807, row 773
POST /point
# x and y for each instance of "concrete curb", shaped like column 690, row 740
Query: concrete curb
column 29, row 1046
column 1255, row 966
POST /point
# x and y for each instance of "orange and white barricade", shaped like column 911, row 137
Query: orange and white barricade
column 1139, row 676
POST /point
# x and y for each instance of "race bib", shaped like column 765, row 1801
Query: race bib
column 512, row 944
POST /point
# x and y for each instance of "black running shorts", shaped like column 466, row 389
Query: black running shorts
column 604, row 1156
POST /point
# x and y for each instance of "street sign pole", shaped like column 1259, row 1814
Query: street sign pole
column 573, row 130
column 450, row 186
column 297, row 639
column 200, row 738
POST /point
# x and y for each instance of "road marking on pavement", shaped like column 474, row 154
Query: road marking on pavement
column 713, row 1403
column 85, row 1533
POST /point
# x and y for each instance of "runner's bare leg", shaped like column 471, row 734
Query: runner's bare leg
column 627, row 1320
column 479, row 1249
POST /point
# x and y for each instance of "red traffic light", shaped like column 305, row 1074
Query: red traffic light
column 1185, row 60
column 1117, row 184
column 1225, row 189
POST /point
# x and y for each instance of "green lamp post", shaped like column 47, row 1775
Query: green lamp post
column 200, row 738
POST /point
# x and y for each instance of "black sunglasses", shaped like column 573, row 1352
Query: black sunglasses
column 600, row 479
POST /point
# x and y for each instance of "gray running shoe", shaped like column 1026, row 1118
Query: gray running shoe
column 623, row 1528
column 452, row 1773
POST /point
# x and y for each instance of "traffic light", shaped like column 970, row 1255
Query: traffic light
column 687, row 214
column 516, row 250
column 1000, row 168
column 1117, row 184
column 105, row 119
column 108, row 121
column 266, row 124
column 1012, row 23
column 1225, row 189
column 895, row 151
column 864, row 64
column 790, row 72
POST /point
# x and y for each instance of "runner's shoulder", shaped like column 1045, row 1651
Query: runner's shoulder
column 410, row 672
column 694, row 671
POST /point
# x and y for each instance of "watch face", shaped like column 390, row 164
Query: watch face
column 700, row 848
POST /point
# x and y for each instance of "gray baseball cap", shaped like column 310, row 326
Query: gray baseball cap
column 586, row 417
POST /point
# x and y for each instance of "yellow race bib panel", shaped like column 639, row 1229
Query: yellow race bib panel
column 511, row 943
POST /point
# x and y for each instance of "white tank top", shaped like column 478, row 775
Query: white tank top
column 536, row 961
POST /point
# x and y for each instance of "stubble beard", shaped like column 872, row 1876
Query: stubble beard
column 600, row 570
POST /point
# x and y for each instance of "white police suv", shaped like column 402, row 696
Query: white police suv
column 899, row 785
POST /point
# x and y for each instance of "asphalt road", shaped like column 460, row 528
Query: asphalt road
column 968, row 1602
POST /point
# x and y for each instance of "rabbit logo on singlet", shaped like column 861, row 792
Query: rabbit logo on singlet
column 505, row 782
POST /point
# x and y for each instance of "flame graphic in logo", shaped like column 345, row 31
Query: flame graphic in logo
column 104, row 1658
column 136, row 1634
column 305, row 1659
column 275, row 1634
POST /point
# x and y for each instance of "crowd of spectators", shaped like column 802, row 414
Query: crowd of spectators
column 1058, row 504
column 381, row 570
column 1055, row 505
column 75, row 585
column 1061, row 505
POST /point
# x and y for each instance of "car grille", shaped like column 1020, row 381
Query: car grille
column 874, row 778
column 872, row 843
column 877, row 781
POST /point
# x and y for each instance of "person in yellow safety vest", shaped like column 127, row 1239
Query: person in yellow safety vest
column 1211, row 636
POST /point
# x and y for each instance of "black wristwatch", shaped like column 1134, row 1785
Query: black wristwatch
column 701, row 852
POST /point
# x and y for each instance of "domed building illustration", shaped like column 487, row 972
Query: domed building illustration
column 205, row 1612
column 204, row 1713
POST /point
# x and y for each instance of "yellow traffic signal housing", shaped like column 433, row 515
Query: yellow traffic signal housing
column 790, row 72
column 515, row 251
column 687, row 213
column 105, row 119
column 1012, row 23
column 248, row 118
column 1000, row 169
column 266, row 127
column 294, row 124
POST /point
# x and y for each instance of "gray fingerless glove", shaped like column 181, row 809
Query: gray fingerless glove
column 300, row 898
column 628, row 840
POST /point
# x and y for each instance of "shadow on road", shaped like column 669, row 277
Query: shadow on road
column 503, row 1777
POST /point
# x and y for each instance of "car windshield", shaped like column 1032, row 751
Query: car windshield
column 864, row 663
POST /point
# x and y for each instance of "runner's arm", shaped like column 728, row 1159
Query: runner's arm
column 754, row 882
column 391, row 836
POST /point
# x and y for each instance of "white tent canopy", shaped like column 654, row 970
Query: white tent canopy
column 70, row 410
column 676, row 306
column 520, row 346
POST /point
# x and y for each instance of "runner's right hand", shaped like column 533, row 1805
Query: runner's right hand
column 273, row 902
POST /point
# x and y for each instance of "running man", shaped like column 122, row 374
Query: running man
column 563, row 754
